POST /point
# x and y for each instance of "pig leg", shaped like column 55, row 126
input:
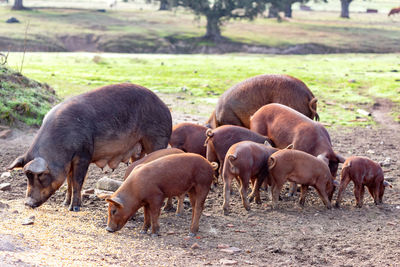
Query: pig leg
column 256, row 190
column 168, row 206
column 68, row 194
column 381, row 192
column 179, row 209
column 275, row 191
column 323, row 195
column 227, row 192
column 155, row 209
column 80, row 166
column 372, row 192
column 303, row 193
column 200, row 195
column 292, row 189
column 343, row 184
column 359, row 194
column 244, row 185
column 147, row 222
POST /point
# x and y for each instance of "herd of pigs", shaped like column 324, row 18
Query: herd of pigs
column 261, row 132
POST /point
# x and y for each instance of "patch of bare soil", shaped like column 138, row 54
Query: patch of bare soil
column 289, row 236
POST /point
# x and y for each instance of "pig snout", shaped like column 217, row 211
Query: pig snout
column 108, row 228
column 30, row 202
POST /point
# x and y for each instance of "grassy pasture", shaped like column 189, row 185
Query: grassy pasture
column 343, row 83
column 141, row 26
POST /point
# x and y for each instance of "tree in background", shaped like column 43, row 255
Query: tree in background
column 345, row 8
column 285, row 6
column 18, row 5
column 218, row 10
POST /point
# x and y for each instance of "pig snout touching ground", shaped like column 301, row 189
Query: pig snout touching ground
column 189, row 137
column 300, row 168
column 237, row 104
column 364, row 173
column 246, row 161
column 149, row 185
column 149, row 158
column 284, row 126
column 105, row 126
column 221, row 139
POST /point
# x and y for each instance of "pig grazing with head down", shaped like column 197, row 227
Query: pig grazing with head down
column 149, row 158
column 189, row 137
column 285, row 126
column 108, row 125
column 300, row 168
column 246, row 161
column 149, row 185
column 363, row 172
column 221, row 139
column 236, row 105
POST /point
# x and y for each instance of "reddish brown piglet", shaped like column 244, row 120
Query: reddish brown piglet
column 221, row 139
column 149, row 185
column 246, row 161
column 149, row 158
column 363, row 172
column 189, row 137
column 300, row 168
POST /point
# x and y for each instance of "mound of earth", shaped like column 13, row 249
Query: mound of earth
column 23, row 101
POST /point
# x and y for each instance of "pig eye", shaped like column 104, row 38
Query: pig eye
column 30, row 176
column 113, row 212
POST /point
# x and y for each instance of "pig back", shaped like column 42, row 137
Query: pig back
column 245, row 98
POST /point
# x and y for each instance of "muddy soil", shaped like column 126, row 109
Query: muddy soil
column 289, row 236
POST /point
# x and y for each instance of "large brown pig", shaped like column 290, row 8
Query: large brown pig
column 246, row 161
column 149, row 158
column 189, row 137
column 363, row 172
column 104, row 126
column 285, row 126
column 221, row 139
column 300, row 168
column 149, row 185
column 236, row 105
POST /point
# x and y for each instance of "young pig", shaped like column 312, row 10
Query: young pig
column 363, row 172
column 301, row 168
column 189, row 137
column 153, row 156
column 149, row 185
column 221, row 139
column 245, row 161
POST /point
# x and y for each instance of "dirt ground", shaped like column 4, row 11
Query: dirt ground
column 289, row 236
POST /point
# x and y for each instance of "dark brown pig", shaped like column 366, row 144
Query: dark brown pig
column 149, row 185
column 237, row 104
column 363, row 172
column 221, row 139
column 104, row 126
column 246, row 161
column 285, row 126
column 189, row 137
column 300, row 168
column 149, row 158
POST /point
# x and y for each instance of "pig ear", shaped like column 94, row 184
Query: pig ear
column 323, row 158
column 137, row 151
column 340, row 158
column 36, row 166
column 18, row 163
column 385, row 184
column 115, row 201
column 290, row 146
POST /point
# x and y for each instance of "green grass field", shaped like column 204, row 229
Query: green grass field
column 342, row 82
column 134, row 26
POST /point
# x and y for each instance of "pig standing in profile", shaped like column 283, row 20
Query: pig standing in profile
column 108, row 125
column 149, row 158
column 236, row 105
column 285, row 126
column 189, row 137
column 149, row 185
column 363, row 172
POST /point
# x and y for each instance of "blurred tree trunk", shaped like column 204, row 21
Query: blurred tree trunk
column 213, row 30
column 345, row 8
column 288, row 9
column 273, row 11
column 18, row 5
column 164, row 5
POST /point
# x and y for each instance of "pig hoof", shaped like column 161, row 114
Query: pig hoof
column 247, row 208
column 178, row 214
column 168, row 208
column 251, row 198
column 258, row 201
column 337, row 205
column 66, row 203
column 155, row 235
column 74, row 208
column 191, row 234
column 226, row 212
column 143, row 232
